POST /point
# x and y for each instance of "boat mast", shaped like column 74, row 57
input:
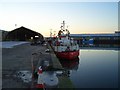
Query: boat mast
column 50, row 33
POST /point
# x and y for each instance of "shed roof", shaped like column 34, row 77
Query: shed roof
column 22, row 33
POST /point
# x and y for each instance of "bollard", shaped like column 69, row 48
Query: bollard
column 40, row 83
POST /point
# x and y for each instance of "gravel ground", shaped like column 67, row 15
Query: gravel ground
column 17, row 60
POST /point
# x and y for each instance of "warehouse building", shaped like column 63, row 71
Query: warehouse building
column 98, row 38
column 23, row 34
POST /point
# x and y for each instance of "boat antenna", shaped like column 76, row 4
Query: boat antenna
column 63, row 25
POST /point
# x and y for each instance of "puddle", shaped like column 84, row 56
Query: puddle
column 25, row 76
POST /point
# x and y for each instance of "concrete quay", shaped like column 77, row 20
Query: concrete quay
column 25, row 60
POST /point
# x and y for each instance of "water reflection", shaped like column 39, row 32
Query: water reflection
column 70, row 64
column 96, row 67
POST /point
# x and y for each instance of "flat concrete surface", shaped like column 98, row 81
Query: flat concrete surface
column 22, row 61
column 55, row 60
column 17, row 59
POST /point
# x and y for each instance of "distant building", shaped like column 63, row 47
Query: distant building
column 3, row 35
column 117, row 32
column 23, row 34
column 96, row 36
column 99, row 38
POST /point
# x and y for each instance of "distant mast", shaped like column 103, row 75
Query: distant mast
column 50, row 32
column 54, row 34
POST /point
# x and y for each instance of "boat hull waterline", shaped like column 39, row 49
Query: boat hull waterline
column 71, row 55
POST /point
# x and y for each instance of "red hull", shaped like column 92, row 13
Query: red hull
column 71, row 55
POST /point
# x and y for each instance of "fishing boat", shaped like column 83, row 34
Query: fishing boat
column 64, row 46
